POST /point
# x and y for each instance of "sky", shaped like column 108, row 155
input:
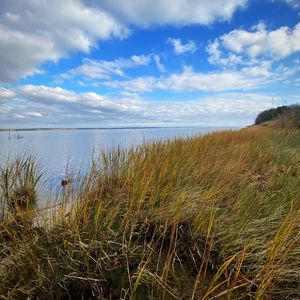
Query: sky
column 114, row 63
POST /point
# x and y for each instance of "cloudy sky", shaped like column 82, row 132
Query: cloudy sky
column 94, row 63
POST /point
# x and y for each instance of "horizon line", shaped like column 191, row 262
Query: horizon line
column 99, row 128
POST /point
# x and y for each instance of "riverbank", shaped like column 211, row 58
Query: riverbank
column 206, row 217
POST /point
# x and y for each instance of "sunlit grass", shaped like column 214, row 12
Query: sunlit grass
column 212, row 217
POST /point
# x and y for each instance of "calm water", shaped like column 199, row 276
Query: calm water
column 61, row 151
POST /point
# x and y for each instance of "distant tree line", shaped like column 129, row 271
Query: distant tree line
column 291, row 112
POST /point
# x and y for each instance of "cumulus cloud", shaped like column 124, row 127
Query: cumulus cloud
column 216, row 56
column 59, row 96
column 241, row 46
column 163, row 12
column 32, row 32
column 248, row 77
column 35, row 106
column 180, row 48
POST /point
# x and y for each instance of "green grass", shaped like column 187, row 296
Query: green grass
column 212, row 217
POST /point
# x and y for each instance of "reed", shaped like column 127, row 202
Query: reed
column 19, row 180
column 211, row 217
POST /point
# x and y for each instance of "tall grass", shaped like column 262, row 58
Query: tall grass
column 212, row 217
column 19, row 180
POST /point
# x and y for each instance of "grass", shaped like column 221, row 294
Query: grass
column 211, row 217
column 19, row 181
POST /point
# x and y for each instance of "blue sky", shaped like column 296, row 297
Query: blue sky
column 88, row 63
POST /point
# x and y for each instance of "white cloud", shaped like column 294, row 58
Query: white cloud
column 36, row 105
column 59, row 96
column 178, row 12
column 250, row 77
column 34, row 114
column 104, row 69
column 180, row 48
column 241, row 46
column 32, row 32
column 216, row 56
column 219, row 104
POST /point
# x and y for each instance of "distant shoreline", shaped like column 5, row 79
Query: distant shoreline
column 99, row 128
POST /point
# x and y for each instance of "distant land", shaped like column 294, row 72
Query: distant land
column 78, row 128
column 98, row 128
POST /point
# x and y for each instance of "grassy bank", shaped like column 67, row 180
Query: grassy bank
column 212, row 217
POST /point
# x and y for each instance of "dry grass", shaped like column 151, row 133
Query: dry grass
column 212, row 217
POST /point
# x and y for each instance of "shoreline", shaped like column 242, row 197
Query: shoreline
column 118, row 128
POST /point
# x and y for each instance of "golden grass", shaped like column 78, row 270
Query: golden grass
column 211, row 217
